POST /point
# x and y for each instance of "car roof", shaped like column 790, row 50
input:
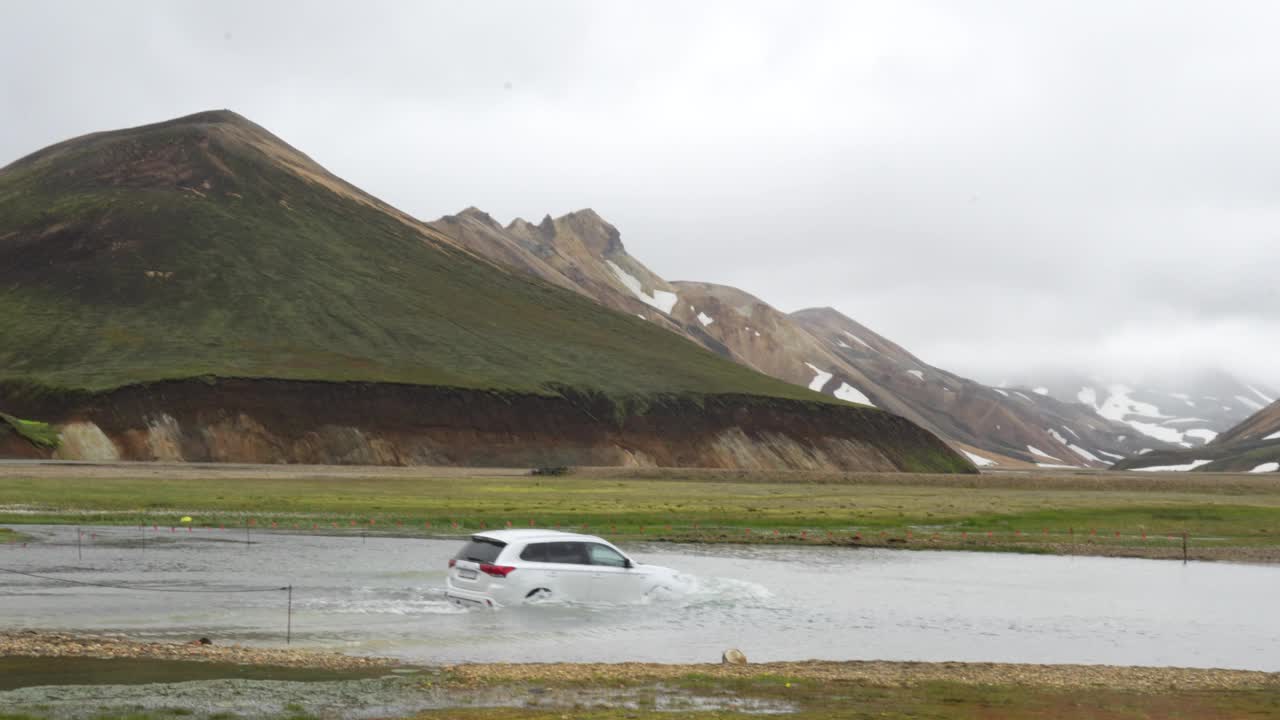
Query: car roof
column 509, row 536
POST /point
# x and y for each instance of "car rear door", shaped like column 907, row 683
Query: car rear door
column 569, row 570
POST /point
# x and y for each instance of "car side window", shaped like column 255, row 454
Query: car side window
column 605, row 555
column 536, row 552
column 567, row 553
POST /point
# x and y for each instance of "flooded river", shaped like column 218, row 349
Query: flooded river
column 383, row 596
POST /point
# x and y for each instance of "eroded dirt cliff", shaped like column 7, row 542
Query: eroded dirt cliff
column 273, row 421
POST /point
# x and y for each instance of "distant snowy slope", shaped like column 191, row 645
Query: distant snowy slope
column 1183, row 412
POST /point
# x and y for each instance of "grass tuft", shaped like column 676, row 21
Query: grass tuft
column 40, row 434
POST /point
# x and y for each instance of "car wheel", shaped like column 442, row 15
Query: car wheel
column 538, row 595
column 658, row 593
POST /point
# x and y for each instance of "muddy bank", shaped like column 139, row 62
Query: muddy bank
column 272, row 421
column 113, row 647
column 881, row 673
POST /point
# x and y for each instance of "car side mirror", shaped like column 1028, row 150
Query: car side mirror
column 626, row 563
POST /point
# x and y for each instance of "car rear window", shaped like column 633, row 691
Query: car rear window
column 481, row 550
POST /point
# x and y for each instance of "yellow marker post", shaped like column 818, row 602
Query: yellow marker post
column 186, row 518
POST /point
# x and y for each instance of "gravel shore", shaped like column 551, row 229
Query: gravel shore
column 50, row 644
column 887, row 674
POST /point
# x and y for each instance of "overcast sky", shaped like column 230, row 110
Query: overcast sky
column 995, row 185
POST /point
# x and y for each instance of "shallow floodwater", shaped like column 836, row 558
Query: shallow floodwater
column 382, row 595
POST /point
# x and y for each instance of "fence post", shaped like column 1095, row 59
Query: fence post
column 288, row 632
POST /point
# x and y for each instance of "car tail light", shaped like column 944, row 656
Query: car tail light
column 453, row 561
column 496, row 570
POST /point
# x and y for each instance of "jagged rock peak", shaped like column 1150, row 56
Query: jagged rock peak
column 596, row 233
column 476, row 213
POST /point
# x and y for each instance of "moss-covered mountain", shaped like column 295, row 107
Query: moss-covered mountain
column 207, row 248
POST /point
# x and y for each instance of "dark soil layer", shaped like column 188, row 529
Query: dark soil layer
column 269, row 421
column 18, row 672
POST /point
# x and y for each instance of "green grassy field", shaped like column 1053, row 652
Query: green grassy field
column 940, row 700
column 846, row 701
column 1235, row 518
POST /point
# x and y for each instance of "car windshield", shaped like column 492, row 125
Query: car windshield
column 481, row 550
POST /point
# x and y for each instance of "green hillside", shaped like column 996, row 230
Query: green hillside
column 205, row 246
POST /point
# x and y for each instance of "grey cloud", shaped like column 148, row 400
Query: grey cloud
column 994, row 184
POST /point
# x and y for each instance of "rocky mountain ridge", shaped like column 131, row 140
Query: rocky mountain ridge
column 819, row 349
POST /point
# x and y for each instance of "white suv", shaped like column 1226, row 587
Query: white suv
column 510, row 567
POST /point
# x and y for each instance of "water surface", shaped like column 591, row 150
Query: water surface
column 382, row 596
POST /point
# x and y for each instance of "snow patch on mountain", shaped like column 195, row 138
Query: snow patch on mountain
column 1120, row 406
column 1037, row 451
column 978, row 459
column 1250, row 402
column 1051, row 465
column 705, row 319
column 1174, row 468
column 1084, row 453
column 1110, row 455
column 1273, row 436
column 660, row 299
column 919, row 375
column 1057, row 436
column 1258, row 392
column 857, row 339
column 1041, row 391
column 819, row 379
column 850, row 393
column 1204, row 434
column 1001, row 391
column 1263, row 468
